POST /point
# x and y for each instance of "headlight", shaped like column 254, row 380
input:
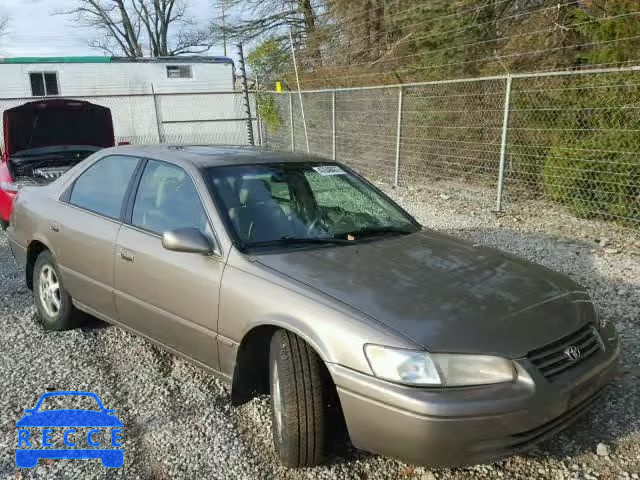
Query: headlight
column 437, row 369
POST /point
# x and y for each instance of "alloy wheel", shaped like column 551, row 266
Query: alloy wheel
column 49, row 291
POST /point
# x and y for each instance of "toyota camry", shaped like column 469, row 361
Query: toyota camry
column 292, row 275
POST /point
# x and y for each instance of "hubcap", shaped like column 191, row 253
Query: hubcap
column 277, row 402
column 49, row 291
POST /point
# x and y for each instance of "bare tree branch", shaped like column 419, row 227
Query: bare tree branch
column 4, row 24
column 125, row 27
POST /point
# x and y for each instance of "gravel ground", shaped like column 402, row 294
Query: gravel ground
column 179, row 422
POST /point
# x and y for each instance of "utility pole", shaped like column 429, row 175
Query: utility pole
column 224, row 28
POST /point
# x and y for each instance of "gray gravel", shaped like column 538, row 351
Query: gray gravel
column 179, row 422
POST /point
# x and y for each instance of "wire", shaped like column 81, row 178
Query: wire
column 475, row 25
column 343, row 24
column 468, row 45
column 495, row 58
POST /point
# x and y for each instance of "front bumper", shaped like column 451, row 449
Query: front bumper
column 462, row 426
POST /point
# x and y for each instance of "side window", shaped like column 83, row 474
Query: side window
column 102, row 187
column 167, row 199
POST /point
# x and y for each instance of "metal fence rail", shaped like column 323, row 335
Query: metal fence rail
column 570, row 136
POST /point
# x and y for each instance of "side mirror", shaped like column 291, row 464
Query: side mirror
column 189, row 240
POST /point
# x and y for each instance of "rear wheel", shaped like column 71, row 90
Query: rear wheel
column 297, row 400
column 53, row 303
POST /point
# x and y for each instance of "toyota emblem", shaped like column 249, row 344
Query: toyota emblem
column 572, row 353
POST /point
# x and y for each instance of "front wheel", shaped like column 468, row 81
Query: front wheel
column 53, row 303
column 297, row 401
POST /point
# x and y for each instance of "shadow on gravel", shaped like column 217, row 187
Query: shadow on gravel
column 90, row 323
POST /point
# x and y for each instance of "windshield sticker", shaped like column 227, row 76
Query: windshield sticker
column 326, row 170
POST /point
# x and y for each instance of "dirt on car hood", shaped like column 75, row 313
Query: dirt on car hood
column 444, row 293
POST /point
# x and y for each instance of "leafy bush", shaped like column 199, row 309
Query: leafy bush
column 268, row 111
column 595, row 179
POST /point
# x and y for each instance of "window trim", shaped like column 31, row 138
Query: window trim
column 44, row 82
column 216, row 248
column 66, row 196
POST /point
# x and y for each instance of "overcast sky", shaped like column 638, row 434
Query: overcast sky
column 35, row 31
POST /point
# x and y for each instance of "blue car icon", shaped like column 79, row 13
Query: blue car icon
column 69, row 419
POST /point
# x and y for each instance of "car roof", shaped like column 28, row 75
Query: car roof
column 203, row 156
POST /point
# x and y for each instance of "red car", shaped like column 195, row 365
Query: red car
column 43, row 139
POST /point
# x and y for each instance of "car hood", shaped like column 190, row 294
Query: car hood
column 56, row 122
column 69, row 418
column 445, row 294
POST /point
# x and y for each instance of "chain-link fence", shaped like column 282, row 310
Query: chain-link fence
column 176, row 118
column 571, row 137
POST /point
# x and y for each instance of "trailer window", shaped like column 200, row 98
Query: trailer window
column 44, row 84
column 179, row 71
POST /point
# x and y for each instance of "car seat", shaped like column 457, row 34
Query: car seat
column 258, row 217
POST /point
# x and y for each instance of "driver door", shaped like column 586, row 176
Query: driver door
column 171, row 297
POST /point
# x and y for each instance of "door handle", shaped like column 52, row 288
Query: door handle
column 54, row 226
column 126, row 255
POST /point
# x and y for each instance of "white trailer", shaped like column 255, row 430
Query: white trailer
column 152, row 100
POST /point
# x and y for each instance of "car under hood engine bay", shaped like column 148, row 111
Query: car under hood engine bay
column 42, row 169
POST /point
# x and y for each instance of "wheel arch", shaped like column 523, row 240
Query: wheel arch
column 35, row 248
column 251, row 371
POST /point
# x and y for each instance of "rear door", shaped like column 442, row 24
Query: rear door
column 87, row 227
column 171, row 297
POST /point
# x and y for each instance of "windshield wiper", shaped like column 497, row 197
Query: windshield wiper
column 301, row 240
column 389, row 229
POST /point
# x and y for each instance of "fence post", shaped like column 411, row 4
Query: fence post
column 333, row 122
column 398, row 137
column 245, row 92
column 503, row 143
column 257, row 105
column 155, row 108
column 258, row 119
column 293, row 137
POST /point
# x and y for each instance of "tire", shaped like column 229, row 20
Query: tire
column 297, row 401
column 53, row 304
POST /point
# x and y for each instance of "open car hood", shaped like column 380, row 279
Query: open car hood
column 48, row 123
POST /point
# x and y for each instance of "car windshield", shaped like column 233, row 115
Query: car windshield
column 289, row 205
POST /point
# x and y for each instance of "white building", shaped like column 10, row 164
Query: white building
column 169, row 100
column 73, row 76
